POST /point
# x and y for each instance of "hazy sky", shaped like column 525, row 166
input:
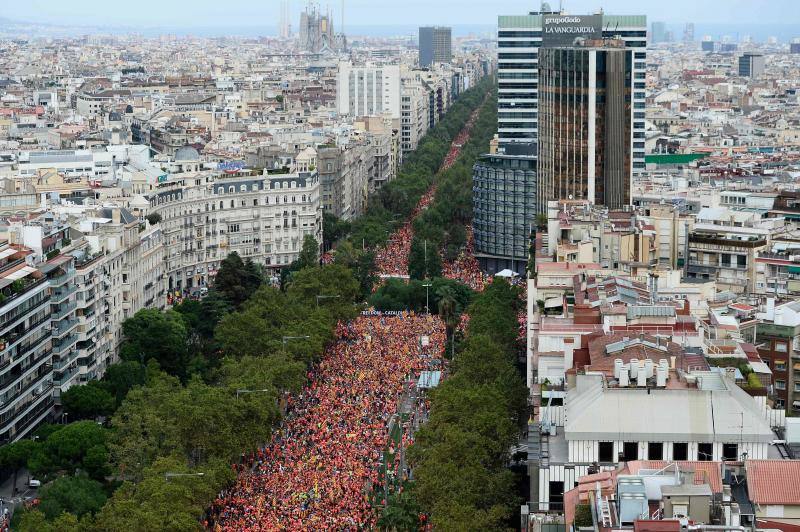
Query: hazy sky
column 205, row 13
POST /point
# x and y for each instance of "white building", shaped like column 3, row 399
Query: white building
column 369, row 90
column 669, row 415
column 206, row 216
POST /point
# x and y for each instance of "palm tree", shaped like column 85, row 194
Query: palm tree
column 401, row 513
column 449, row 311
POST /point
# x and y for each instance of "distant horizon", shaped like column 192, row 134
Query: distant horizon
column 204, row 14
column 759, row 32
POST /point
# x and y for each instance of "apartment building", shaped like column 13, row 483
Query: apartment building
column 368, row 90
column 724, row 244
column 26, row 373
column 778, row 341
column 415, row 114
column 609, row 418
column 206, row 216
column 778, row 269
column 60, row 273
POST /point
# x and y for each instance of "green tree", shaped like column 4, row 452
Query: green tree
column 119, row 378
column 309, row 253
column 331, row 287
column 236, row 280
column 88, row 401
column 161, row 503
column 583, row 515
column 15, row 456
column 34, row 520
column 333, row 229
column 401, row 513
column 75, row 495
column 66, row 448
column 424, row 261
column 161, row 336
column 417, row 260
column 259, row 327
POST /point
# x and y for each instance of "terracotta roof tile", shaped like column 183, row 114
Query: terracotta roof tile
column 773, row 481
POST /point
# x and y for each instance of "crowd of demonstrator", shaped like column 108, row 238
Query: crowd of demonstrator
column 322, row 467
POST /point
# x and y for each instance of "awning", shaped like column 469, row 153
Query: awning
column 19, row 274
column 429, row 379
column 7, row 253
column 554, row 302
column 797, row 366
column 796, row 404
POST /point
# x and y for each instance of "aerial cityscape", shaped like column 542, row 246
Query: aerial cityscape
column 400, row 266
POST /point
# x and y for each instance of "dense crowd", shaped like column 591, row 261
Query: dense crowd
column 392, row 259
column 322, row 465
column 465, row 268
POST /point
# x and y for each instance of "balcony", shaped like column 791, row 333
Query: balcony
column 63, row 311
column 64, row 344
column 24, row 417
column 62, row 327
column 701, row 269
column 57, row 296
column 66, row 376
column 14, row 292
column 716, row 240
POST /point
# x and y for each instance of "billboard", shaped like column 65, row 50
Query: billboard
column 562, row 30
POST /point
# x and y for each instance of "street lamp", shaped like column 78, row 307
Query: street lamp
column 238, row 392
column 287, row 338
column 326, row 297
column 168, row 476
column 427, row 296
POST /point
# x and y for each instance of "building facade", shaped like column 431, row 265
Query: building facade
column 26, row 373
column 371, row 90
column 205, row 217
column 435, row 45
column 503, row 199
column 520, row 39
column 751, row 65
column 585, row 121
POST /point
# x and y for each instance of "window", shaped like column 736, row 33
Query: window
column 705, row 452
column 780, row 365
column 605, row 451
column 630, row 451
column 680, row 451
column 780, row 384
column 780, row 347
column 655, row 450
column 556, row 493
column 730, row 451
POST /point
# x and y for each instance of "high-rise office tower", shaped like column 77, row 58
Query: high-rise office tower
column 520, row 41
column 658, row 32
column 751, row 65
column 585, row 123
column 435, row 45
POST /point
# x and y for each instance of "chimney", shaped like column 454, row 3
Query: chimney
column 569, row 351
column 115, row 216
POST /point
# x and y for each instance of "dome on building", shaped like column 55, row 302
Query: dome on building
column 187, row 153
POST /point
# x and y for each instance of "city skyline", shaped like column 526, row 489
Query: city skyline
column 239, row 13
